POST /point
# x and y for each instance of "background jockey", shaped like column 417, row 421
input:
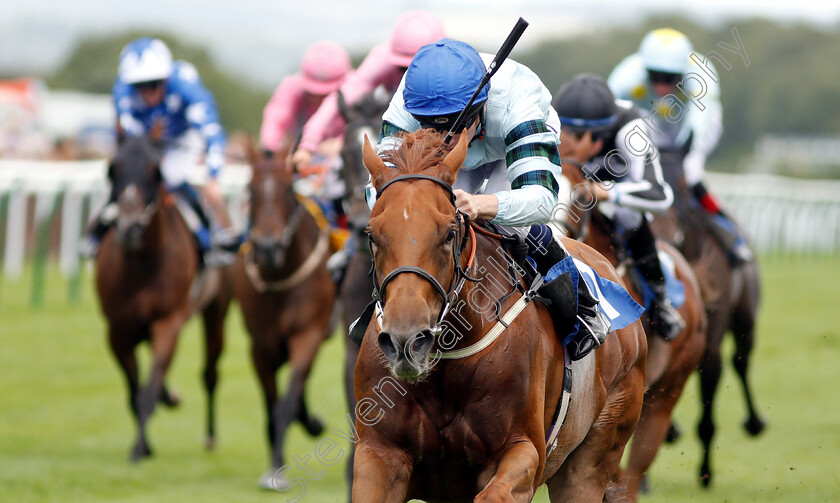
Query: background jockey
column 323, row 69
column 512, row 158
column 150, row 87
column 653, row 73
column 595, row 127
column 384, row 65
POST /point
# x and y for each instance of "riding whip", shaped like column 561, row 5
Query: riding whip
column 501, row 56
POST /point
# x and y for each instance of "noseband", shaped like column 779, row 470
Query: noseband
column 461, row 273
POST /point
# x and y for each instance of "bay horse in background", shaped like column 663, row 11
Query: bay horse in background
column 669, row 363
column 731, row 296
column 149, row 284
column 363, row 118
column 286, row 295
column 473, row 427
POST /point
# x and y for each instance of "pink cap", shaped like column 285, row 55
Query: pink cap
column 323, row 68
column 413, row 30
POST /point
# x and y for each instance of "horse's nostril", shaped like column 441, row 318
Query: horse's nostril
column 421, row 344
column 388, row 347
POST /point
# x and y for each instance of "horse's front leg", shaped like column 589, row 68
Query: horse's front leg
column 380, row 474
column 164, row 336
column 514, row 477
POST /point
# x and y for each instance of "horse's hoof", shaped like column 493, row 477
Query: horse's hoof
column 673, row 434
column 644, row 487
column 273, row 481
column 314, row 426
column 170, row 399
column 754, row 425
column 140, row 452
column 210, row 443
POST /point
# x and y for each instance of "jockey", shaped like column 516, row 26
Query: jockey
column 323, row 69
column 150, row 87
column 384, row 65
column 655, row 74
column 510, row 174
column 596, row 133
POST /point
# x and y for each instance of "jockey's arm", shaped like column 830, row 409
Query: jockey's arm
column 706, row 127
column 279, row 114
column 644, row 187
column 122, row 96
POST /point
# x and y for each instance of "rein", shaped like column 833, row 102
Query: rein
column 307, row 267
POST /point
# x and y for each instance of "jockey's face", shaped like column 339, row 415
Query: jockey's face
column 663, row 83
column 579, row 146
column 470, row 134
column 152, row 93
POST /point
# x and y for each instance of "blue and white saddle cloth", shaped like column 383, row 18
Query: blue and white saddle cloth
column 614, row 300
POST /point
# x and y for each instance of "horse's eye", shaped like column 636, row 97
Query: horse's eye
column 450, row 236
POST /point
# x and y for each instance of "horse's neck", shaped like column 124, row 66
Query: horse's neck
column 157, row 235
column 478, row 301
column 598, row 237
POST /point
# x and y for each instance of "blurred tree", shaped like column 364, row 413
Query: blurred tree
column 92, row 67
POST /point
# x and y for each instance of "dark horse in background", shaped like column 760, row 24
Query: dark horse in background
column 149, row 284
column 286, row 294
column 473, row 427
column 669, row 363
column 362, row 119
column 731, row 296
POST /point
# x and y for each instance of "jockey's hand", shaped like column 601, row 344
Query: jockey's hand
column 212, row 192
column 301, row 161
column 477, row 206
column 601, row 192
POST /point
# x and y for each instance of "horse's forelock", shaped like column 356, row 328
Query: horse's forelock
column 421, row 152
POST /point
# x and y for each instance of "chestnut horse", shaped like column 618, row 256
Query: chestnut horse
column 731, row 296
column 469, row 424
column 669, row 364
column 148, row 282
column 286, row 294
column 363, row 118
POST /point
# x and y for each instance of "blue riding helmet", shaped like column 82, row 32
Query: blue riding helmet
column 440, row 81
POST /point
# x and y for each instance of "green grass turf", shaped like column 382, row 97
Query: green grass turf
column 65, row 429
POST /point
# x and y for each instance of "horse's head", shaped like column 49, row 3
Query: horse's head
column 363, row 119
column 414, row 235
column 136, row 184
column 274, row 213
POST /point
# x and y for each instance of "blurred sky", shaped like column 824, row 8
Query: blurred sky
column 262, row 40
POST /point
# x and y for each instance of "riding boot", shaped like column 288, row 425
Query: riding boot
column 723, row 228
column 89, row 244
column 663, row 316
column 565, row 309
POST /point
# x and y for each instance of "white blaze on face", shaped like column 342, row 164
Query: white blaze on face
column 405, row 214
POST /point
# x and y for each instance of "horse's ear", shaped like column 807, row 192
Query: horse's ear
column 252, row 154
column 374, row 164
column 285, row 147
column 342, row 106
column 156, row 133
column 454, row 159
column 120, row 132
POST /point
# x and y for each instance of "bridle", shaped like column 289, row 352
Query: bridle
column 464, row 232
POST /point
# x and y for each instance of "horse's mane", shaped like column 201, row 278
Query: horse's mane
column 420, row 150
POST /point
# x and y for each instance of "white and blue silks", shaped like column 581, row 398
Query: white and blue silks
column 614, row 301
